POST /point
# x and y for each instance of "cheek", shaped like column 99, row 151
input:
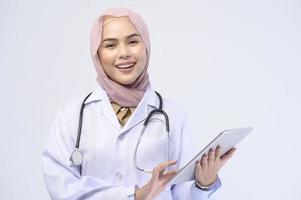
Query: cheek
column 107, row 59
column 143, row 61
column 141, row 54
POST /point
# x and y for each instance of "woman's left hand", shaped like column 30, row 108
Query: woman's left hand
column 207, row 168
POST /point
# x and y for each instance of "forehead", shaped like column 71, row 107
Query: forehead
column 117, row 27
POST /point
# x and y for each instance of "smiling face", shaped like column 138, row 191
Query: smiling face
column 122, row 52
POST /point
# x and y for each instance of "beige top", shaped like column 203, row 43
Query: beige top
column 122, row 113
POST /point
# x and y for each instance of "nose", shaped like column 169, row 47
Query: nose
column 124, row 52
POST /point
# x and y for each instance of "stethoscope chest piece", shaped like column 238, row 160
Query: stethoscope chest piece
column 76, row 157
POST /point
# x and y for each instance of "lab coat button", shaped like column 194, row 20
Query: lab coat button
column 119, row 176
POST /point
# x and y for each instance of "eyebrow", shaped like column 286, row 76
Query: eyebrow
column 129, row 36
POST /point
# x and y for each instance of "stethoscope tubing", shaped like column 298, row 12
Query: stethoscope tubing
column 76, row 157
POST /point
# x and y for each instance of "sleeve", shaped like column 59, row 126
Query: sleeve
column 64, row 181
column 189, row 190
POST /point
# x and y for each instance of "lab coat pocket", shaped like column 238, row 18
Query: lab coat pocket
column 153, row 145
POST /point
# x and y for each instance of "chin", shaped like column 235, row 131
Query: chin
column 126, row 81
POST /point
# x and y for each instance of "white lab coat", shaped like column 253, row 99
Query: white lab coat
column 108, row 171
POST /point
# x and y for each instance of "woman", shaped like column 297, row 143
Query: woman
column 116, row 147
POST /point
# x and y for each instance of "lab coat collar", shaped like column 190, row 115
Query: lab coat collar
column 97, row 94
column 148, row 102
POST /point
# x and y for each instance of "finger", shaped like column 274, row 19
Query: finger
column 168, row 176
column 211, row 157
column 198, row 163
column 204, row 162
column 168, row 173
column 161, row 167
column 167, row 180
column 198, row 167
column 218, row 152
column 166, row 164
column 228, row 155
column 161, row 172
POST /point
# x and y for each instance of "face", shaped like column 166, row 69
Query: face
column 122, row 52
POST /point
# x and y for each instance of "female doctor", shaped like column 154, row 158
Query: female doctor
column 130, row 141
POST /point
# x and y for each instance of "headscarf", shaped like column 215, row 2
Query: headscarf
column 124, row 95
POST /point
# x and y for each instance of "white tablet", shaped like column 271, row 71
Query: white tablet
column 226, row 140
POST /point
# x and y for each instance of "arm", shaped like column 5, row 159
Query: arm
column 64, row 181
column 188, row 190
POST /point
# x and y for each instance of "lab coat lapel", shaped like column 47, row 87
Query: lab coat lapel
column 108, row 112
column 149, row 99
column 105, row 106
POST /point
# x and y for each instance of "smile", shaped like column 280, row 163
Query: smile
column 125, row 65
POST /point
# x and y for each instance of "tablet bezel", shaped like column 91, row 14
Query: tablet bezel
column 237, row 135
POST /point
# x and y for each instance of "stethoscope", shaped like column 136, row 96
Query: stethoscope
column 77, row 158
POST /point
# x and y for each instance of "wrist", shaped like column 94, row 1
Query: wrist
column 205, row 186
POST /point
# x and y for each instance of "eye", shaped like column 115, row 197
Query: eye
column 109, row 46
column 133, row 42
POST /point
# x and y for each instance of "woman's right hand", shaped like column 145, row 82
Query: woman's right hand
column 158, row 182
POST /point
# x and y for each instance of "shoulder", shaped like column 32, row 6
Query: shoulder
column 71, row 108
column 174, row 110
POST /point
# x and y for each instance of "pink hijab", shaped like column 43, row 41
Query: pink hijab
column 124, row 95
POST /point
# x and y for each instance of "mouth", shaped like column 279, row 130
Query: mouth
column 126, row 65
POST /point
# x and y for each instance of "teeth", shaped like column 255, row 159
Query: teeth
column 125, row 65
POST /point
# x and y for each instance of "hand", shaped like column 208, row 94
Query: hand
column 207, row 169
column 158, row 182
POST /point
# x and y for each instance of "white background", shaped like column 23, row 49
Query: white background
column 227, row 63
